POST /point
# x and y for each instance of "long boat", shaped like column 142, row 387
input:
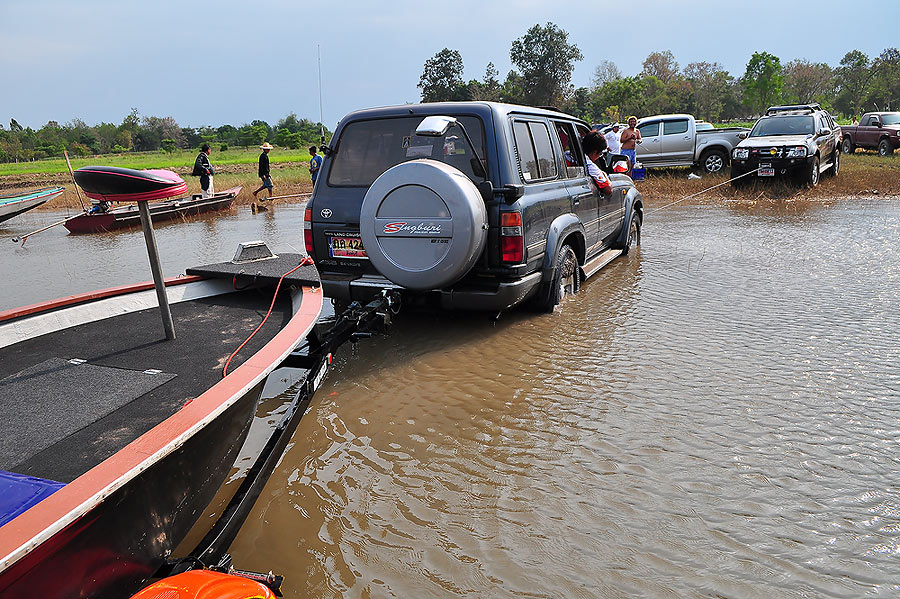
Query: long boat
column 14, row 205
column 116, row 439
column 128, row 216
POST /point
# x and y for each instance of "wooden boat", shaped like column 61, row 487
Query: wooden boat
column 127, row 216
column 114, row 439
column 14, row 205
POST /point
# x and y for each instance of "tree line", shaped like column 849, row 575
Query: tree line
column 544, row 60
column 147, row 133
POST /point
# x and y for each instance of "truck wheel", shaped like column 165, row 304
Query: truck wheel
column 812, row 173
column 884, row 148
column 713, row 161
column 847, row 146
column 835, row 163
column 634, row 233
column 566, row 279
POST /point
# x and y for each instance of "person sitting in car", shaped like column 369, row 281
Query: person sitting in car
column 594, row 145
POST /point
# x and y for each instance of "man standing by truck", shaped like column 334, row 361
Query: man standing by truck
column 630, row 137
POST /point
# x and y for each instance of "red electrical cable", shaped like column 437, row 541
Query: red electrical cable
column 306, row 261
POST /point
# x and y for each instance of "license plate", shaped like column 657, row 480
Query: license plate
column 346, row 245
column 766, row 170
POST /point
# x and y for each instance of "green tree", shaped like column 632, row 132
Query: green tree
column 762, row 81
column 442, row 78
column 546, row 60
column 661, row 65
column 884, row 92
column 852, row 79
column 805, row 81
column 489, row 88
column 710, row 83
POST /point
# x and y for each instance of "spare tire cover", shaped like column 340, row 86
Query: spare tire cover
column 423, row 224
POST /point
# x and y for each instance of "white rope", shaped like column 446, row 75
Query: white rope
column 693, row 195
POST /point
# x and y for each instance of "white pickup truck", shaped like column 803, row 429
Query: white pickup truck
column 673, row 140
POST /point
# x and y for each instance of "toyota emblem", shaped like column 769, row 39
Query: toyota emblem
column 326, row 213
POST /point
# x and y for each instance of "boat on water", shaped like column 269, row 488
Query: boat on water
column 127, row 216
column 116, row 439
column 14, row 205
column 117, row 433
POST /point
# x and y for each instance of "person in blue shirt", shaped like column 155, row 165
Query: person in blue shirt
column 315, row 163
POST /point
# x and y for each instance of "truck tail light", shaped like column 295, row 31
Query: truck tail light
column 512, row 242
column 307, row 232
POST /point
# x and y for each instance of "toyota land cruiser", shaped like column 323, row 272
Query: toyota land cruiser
column 477, row 205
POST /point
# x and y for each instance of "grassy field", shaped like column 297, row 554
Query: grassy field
column 150, row 160
column 864, row 174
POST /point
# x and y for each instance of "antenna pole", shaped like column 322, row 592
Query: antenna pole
column 321, row 114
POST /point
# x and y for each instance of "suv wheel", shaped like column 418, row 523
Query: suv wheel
column 566, row 279
column 835, row 163
column 847, row 146
column 714, row 161
column 634, row 234
column 812, row 173
column 884, row 148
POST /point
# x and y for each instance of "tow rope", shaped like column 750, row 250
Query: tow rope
column 306, row 261
column 693, row 195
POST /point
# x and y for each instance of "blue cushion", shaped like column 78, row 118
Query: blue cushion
column 19, row 492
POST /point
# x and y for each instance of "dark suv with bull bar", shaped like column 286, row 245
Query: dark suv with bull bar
column 472, row 205
column 800, row 141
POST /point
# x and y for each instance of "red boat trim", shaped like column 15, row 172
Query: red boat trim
column 90, row 296
column 146, row 196
column 26, row 532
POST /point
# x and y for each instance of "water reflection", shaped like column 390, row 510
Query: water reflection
column 715, row 417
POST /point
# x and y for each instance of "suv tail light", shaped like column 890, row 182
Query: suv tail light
column 307, row 232
column 512, row 242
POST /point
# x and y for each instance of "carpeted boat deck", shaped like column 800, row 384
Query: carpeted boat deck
column 62, row 416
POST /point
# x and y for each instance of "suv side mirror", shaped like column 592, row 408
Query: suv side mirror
column 742, row 135
column 823, row 132
column 435, row 126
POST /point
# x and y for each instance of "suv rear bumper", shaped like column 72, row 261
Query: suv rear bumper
column 500, row 296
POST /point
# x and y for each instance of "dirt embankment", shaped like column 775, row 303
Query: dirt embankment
column 289, row 178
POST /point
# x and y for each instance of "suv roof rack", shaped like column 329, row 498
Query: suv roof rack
column 792, row 108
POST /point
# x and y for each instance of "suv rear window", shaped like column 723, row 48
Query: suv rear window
column 368, row 148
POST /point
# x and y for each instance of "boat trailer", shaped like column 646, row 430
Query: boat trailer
column 314, row 355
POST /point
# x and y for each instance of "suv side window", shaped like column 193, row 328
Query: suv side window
column 649, row 129
column 674, row 127
column 572, row 155
column 535, row 152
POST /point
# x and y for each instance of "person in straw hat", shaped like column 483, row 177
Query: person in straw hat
column 264, row 174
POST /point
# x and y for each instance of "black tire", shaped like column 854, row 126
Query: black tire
column 713, row 161
column 634, row 234
column 835, row 163
column 812, row 173
column 847, row 146
column 566, row 280
column 884, row 148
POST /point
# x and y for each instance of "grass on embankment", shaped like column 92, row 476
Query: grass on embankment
column 861, row 175
column 151, row 160
column 864, row 174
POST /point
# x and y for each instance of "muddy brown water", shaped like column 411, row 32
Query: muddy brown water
column 715, row 416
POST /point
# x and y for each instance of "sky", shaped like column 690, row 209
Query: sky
column 225, row 61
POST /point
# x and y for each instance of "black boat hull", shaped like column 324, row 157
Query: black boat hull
column 101, row 550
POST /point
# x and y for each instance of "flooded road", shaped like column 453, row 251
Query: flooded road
column 715, row 416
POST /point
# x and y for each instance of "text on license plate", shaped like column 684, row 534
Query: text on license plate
column 346, row 247
column 766, row 170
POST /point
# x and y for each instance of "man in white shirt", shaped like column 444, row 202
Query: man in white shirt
column 612, row 140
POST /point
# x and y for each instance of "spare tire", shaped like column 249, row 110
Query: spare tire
column 423, row 224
